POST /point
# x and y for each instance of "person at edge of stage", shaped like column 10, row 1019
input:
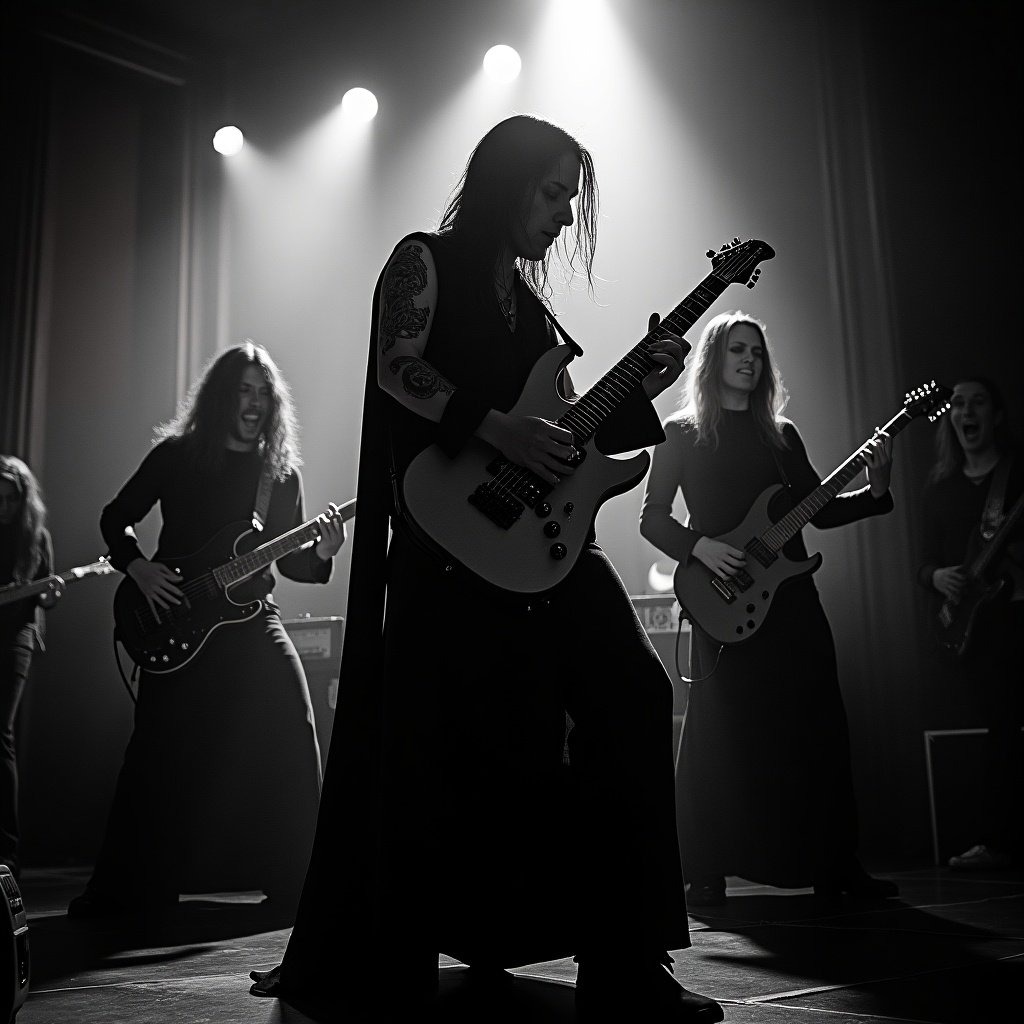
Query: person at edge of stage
column 975, row 481
column 26, row 555
column 451, row 822
column 220, row 783
column 764, row 784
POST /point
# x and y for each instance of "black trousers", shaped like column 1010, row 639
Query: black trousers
column 503, row 840
column 15, row 662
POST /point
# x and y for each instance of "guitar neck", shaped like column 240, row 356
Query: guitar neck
column 21, row 592
column 992, row 549
column 591, row 409
column 259, row 558
column 797, row 518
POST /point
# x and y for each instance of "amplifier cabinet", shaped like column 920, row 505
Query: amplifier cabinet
column 14, row 974
column 318, row 643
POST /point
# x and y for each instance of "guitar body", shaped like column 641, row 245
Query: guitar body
column 536, row 550
column 955, row 622
column 166, row 642
column 733, row 611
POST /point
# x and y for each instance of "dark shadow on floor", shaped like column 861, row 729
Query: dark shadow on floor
column 947, row 950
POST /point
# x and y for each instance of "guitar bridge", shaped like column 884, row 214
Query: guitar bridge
column 500, row 507
column 724, row 590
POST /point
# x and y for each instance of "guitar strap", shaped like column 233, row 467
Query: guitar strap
column 262, row 502
column 992, row 517
column 562, row 332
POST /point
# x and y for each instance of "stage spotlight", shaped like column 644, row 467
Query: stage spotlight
column 359, row 105
column 502, row 63
column 228, row 140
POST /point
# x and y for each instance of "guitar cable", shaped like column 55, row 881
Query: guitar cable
column 679, row 671
column 127, row 680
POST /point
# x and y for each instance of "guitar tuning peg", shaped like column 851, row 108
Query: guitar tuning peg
column 724, row 247
column 710, row 253
column 736, row 240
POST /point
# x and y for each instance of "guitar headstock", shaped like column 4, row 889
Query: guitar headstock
column 931, row 400
column 737, row 262
column 101, row 567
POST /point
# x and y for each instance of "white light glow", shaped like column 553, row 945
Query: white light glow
column 502, row 63
column 359, row 105
column 228, row 140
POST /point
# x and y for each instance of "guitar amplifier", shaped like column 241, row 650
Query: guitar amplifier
column 659, row 615
column 14, row 974
column 318, row 643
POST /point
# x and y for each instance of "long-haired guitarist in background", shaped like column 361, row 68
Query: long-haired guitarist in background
column 26, row 554
column 972, row 519
column 450, row 822
column 221, row 777
column 764, row 784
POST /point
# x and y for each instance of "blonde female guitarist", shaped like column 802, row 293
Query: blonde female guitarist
column 973, row 563
column 763, row 781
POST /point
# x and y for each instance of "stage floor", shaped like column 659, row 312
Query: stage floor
column 949, row 951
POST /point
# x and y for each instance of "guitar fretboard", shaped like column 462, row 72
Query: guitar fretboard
column 793, row 521
column 594, row 407
column 261, row 557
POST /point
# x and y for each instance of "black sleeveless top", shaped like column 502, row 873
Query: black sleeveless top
column 470, row 344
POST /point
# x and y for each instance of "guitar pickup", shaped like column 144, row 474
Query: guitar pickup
column 501, row 508
column 526, row 486
column 759, row 550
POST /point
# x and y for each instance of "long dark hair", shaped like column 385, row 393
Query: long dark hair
column 206, row 417
column 949, row 456
column 492, row 196
column 702, row 390
column 31, row 520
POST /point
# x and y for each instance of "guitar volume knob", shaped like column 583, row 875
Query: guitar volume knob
column 543, row 509
column 552, row 529
column 558, row 552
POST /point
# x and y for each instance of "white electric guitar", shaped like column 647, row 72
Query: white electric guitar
column 503, row 522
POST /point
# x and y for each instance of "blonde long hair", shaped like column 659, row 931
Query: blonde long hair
column 701, row 401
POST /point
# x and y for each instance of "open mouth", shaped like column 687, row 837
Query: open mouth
column 970, row 430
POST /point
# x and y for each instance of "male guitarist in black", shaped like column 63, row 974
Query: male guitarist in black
column 976, row 480
column 450, row 822
column 221, row 778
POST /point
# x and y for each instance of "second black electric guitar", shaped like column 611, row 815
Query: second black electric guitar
column 956, row 620
column 731, row 609
column 214, row 584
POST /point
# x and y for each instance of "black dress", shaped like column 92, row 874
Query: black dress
column 764, row 788
column 451, row 820
column 221, row 777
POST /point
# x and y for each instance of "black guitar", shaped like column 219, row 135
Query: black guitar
column 214, row 584
column 956, row 620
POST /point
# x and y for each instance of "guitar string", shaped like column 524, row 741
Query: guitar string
column 510, row 477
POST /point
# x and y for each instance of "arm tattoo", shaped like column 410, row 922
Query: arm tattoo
column 419, row 379
column 406, row 278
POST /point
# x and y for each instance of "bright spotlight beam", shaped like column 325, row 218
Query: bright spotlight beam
column 502, row 63
column 359, row 105
column 228, row 140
